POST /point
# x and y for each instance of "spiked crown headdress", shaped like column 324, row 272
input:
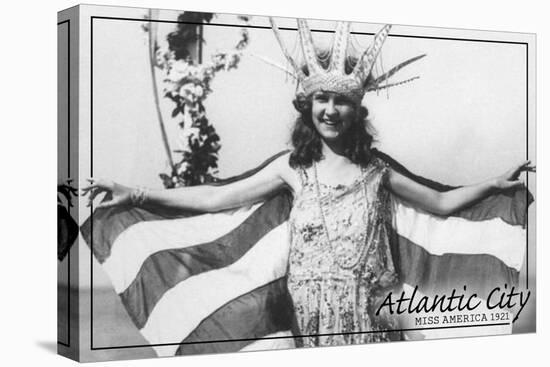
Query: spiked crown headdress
column 334, row 78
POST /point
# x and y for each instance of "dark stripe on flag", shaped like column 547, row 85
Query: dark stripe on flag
column 109, row 223
column 250, row 172
column 433, row 273
column 165, row 269
column 510, row 206
column 261, row 312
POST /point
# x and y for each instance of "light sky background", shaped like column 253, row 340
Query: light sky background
column 461, row 122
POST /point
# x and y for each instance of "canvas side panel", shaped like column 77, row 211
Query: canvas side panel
column 528, row 280
column 67, row 184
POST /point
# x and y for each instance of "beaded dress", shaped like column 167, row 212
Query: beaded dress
column 340, row 264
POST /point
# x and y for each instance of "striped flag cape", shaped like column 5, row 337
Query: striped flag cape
column 216, row 282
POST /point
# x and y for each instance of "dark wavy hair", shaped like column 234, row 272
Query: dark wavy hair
column 306, row 140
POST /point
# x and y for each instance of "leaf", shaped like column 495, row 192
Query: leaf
column 166, row 180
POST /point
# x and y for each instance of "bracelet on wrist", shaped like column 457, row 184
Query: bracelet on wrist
column 138, row 196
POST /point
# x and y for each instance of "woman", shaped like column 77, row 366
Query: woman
column 340, row 260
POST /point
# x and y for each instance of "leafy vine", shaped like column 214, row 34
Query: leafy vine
column 186, row 82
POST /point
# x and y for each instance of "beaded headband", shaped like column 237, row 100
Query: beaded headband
column 334, row 78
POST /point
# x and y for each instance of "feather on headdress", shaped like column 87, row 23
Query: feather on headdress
column 334, row 78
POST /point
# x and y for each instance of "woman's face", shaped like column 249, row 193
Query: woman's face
column 332, row 114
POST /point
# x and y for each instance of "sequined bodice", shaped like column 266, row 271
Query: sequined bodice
column 340, row 256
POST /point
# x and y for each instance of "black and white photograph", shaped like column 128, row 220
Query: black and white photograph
column 249, row 182
column 260, row 183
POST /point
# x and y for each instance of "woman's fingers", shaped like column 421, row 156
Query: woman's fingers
column 92, row 196
column 520, row 167
column 530, row 167
column 94, row 193
column 525, row 166
column 101, row 183
column 106, row 199
column 90, row 186
column 97, row 186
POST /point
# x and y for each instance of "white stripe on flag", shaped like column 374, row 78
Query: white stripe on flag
column 271, row 344
column 443, row 235
column 183, row 307
column 133, row 246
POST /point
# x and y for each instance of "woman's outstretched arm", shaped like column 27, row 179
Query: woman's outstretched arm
column 446, row 203
column 205, row 198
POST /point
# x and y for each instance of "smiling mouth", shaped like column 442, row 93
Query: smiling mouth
column 330, row 123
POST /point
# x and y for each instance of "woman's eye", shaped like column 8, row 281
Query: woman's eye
column 321, row 99
column 342, row 101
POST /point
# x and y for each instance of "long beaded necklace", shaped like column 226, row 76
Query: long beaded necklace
column 364, row 248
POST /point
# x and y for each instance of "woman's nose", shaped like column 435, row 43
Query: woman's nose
column 330, row 109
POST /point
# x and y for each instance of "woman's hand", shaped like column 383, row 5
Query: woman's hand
column 115, row 194
column 446, row 203
column 510, row 179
